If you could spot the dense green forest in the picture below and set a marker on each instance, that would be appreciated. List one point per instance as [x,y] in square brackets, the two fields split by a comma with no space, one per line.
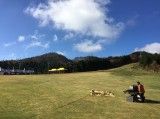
[150,62]
[41,64]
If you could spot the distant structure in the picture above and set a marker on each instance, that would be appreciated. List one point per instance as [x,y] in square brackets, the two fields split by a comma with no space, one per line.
[15,71]
[59,70]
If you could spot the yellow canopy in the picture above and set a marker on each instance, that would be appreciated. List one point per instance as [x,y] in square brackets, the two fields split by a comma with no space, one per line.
[53,70]
[61,69]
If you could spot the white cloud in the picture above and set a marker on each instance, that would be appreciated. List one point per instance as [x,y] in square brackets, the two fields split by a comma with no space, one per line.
[62,53]
[103,2]
[38,44]
[36,35]
[87,17]
[88,46]
[55,38]
[70,35]
[151,48]
[21,38]
[9,44]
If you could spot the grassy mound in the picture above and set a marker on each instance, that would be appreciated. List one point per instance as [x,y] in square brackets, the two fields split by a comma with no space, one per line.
[62,96]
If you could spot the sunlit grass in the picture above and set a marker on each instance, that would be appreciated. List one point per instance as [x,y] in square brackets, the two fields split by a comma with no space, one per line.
[62,96]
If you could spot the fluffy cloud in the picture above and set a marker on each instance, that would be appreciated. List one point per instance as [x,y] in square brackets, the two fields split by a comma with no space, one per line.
[55,38]
[69,36]
[36,35]
[151,48]
[38,44]
[35,40]
[88,46]
[62,53]
[21,38]
[87,17]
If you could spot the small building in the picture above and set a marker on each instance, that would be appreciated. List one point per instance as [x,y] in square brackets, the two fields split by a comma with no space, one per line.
[15,71]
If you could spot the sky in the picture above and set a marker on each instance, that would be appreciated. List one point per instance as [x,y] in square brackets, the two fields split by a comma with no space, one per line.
[76,28]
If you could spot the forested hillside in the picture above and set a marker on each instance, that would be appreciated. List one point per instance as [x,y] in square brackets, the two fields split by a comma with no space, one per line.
[150,62]
[41,64]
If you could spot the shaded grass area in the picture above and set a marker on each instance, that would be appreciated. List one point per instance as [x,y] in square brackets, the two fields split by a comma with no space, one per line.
[67,96]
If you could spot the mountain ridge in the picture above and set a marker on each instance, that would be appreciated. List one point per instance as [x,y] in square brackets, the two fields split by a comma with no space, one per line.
[43,63]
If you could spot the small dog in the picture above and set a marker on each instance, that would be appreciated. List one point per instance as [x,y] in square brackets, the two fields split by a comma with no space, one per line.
[102,93]
[95,93]
[109,94]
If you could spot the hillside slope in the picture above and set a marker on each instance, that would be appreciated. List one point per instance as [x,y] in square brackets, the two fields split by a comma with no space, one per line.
[41,64]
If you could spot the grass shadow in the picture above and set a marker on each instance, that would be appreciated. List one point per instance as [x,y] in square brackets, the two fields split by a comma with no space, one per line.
[152,101]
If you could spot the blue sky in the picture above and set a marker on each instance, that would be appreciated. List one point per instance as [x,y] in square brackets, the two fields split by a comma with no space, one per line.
[76,28]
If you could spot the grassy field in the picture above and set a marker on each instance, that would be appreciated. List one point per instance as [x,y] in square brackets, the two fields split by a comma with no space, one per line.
[67,96]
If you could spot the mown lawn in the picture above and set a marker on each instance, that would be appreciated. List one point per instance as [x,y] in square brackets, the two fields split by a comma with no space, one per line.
[67,96]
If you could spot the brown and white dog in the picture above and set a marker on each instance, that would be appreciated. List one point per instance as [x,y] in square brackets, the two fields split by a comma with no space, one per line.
[102,93]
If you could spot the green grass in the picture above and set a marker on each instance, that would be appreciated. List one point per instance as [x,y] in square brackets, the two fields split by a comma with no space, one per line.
[67,96]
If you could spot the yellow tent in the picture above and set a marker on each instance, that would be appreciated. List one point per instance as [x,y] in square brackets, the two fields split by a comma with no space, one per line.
[58,70]
[53,70]
[61,69]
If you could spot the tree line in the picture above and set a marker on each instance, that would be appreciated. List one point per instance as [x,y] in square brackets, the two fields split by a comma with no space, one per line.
[41,64]
[150,62]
